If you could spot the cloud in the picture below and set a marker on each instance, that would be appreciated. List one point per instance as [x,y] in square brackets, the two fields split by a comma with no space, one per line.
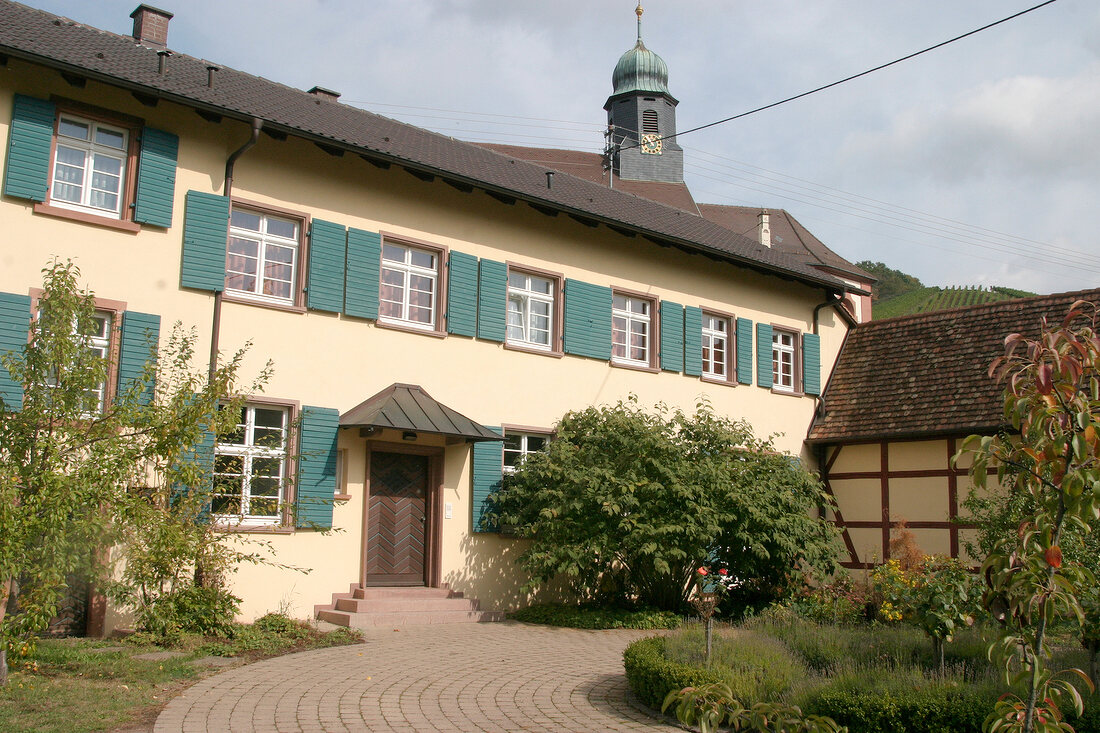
[1029,127]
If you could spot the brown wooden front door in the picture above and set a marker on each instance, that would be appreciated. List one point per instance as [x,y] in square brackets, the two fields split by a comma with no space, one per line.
[397,519]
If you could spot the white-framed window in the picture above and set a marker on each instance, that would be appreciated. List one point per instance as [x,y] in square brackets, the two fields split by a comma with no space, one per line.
[410,284]
[97,338]
[250,467]
[262,259]
[631,330]
[89,166]
[99,343]
[531,310]
[518,445]
[716,352]
[784,365]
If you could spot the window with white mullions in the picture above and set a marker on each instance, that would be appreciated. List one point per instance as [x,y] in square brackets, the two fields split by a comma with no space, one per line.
[89,169]
[408,289]
[715,347]
[530,310]
[96,337]
[250,467]
[99,343]
[263,255]
[631,330]
[517,446]
[783,360]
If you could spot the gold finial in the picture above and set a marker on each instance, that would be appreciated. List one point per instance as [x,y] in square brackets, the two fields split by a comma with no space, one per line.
[638,11]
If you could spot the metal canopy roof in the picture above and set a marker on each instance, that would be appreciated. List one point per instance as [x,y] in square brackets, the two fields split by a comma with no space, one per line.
[409,407]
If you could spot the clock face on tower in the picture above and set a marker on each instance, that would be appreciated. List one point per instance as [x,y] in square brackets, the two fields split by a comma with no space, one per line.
[651,144]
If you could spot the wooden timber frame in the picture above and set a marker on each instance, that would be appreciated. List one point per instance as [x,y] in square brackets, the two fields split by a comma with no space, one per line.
[954,482]
[433,555]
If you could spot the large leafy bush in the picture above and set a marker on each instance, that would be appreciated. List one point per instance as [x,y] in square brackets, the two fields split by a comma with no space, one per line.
[627,502]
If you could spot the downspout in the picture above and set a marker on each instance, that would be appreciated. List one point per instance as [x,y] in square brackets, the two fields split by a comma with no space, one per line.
[215,329]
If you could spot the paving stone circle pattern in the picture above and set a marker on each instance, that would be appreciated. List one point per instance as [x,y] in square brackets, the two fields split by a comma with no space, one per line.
[500,677]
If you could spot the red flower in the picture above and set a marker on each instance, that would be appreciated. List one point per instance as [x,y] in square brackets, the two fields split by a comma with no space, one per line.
[723,571]
[702,571]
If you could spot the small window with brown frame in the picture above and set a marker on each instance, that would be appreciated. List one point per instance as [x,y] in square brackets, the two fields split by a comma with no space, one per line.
[264,254]
[633,330]
[534,310]
[411,289]
[252,470]
[100,334]
[718,357]
[93,165]
[786,376]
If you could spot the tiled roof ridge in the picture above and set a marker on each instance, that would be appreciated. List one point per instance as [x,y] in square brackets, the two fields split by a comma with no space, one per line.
[790,220]
[649,202]
[966,309]
[493,146]
[241,95]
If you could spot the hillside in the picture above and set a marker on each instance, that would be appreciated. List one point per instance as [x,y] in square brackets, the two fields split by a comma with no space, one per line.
[925,299]
[898,294]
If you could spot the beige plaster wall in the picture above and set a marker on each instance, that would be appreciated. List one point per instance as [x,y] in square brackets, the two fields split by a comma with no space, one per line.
[333,361]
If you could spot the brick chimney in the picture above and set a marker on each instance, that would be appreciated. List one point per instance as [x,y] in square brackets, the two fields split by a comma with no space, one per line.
[764,229]
[325,93]
[151,26]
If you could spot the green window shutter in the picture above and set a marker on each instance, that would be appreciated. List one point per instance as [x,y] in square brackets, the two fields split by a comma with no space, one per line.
[317,466]
[328,245]
[587,320]
[200,458]
[140,335]
[15,322]
[488,471]
[492,300]
[764,376]
[672,336]
[462,274]
[364,261]
[205,233]
[31,137]
[693,341]
[156,178]
[811,363]
[744,351]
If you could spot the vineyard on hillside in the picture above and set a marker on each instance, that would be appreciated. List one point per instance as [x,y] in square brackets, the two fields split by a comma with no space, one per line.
[927,299]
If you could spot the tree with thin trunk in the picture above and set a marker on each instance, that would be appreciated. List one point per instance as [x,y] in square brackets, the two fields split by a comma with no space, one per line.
[1051,456]
[75,467]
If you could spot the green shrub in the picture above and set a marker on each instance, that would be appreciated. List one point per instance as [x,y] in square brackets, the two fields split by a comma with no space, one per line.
[282,625]
[902,701]
[191,610]
[593,617]
[652,676]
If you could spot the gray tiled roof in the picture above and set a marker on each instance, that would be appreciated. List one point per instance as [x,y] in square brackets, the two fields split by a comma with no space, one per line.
[63,44]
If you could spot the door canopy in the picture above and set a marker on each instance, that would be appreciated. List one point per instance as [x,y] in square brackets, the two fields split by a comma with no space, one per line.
[409,407]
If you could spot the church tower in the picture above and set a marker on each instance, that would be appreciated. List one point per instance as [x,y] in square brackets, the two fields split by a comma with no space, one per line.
[641,118]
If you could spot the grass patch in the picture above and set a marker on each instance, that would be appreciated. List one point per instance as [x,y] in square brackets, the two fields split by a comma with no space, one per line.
[596,617]
[68,686]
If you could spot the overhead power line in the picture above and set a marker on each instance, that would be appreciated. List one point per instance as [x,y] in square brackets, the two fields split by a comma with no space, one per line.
[853,76]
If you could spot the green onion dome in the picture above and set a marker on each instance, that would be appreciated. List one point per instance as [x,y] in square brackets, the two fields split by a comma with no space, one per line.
[640,70]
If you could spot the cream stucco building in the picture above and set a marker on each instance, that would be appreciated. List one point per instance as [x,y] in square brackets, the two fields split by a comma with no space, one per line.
[417,295]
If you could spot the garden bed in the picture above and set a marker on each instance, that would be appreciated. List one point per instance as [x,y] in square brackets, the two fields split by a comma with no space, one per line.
[873,679]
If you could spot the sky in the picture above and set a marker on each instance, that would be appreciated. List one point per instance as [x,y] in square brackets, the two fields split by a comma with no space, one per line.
[976,164]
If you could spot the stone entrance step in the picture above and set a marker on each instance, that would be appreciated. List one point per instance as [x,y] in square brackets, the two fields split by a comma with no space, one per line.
[362,608]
